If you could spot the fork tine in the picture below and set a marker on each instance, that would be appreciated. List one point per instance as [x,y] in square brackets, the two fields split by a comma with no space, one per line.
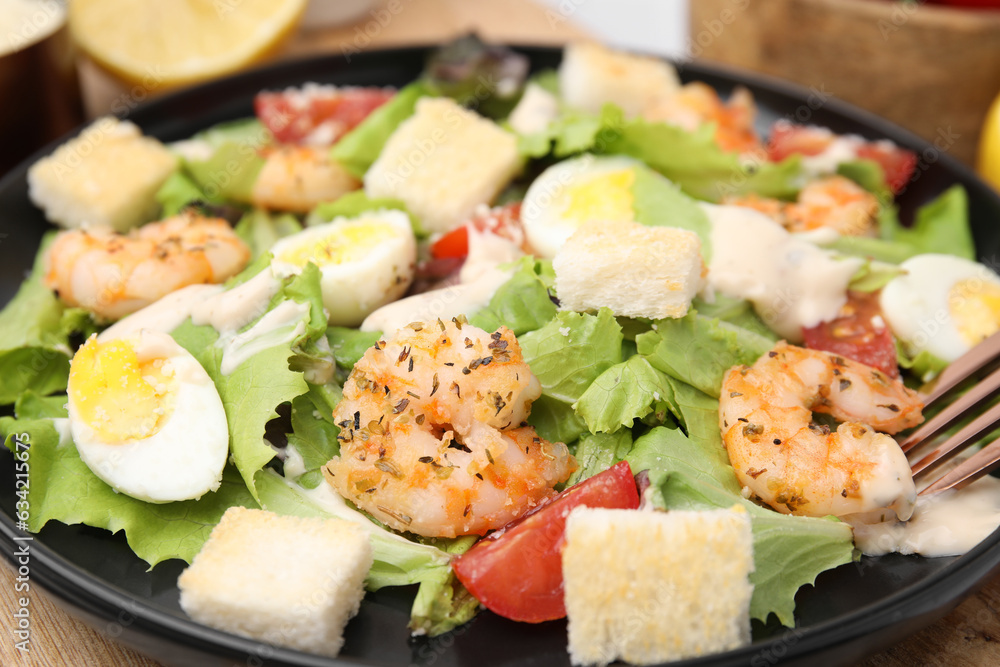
[953,445]
[953,412]
[982,462]
[964,367]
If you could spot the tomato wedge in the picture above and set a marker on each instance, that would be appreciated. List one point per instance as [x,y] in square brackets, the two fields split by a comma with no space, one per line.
[317,115]
[517,571]
[787,139]
[503,221]
[858,333]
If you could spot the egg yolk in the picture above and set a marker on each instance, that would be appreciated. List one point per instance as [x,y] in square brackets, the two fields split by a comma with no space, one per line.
[120,397]
[606,197]
[344,244]
[974,305]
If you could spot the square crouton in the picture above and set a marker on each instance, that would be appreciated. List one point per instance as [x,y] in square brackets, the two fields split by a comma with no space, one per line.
[109,175]
[634,270]
[287,581]
[443,162]
[591,75]
[650,587]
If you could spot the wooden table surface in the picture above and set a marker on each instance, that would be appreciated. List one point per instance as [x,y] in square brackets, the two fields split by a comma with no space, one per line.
[968,636]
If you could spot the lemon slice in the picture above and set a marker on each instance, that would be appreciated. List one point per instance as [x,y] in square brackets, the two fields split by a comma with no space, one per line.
[988,163]
[171,42]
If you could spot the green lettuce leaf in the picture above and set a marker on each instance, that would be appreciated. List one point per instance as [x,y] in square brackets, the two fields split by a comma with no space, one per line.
[522,304]
[62,488]
[231,170]
[924,365]
[314,435]
[354,204]
[869,175]
[880,250]
[349,345]
[694,161]
[359,148]
[941,226]
[34,336]
[252,392]
[621,394]
[443,603]
[261,230]
[573,131]
[178,191]
[789,551]
[658,202]
[568,353]
[30,405]
[697,412]
[555,420]
[597,452]
[738,312]
[699,350]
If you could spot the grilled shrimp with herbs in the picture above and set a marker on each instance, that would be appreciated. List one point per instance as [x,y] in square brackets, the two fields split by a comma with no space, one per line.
[113,274]
[432,433]
[800,467]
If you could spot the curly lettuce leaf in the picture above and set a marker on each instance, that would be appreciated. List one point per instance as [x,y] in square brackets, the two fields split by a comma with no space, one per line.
[349,345]
[568,353]
[314,435]
[260,230]
[941,226]
[30,405]
[252,392]
[621,394]
[34,336]
[357,150]
[738,312]
[658,202]
[555,420]
[178,191]
[880,250]
[597,452]
[522,304]
[789,551]
[699,350]
[62,488]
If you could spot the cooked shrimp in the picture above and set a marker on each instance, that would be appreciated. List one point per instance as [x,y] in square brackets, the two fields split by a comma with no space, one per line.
[297,178]
[697,103]
[834,202]
[433,439]
[113,274]
[799,467]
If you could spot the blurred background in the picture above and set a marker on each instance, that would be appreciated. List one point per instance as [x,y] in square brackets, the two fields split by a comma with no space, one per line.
[932,66]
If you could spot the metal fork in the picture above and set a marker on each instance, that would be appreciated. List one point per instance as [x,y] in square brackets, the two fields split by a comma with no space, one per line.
[971,364]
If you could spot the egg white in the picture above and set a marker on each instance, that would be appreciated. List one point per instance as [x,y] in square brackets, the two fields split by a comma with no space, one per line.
[184,459]
[545,213]
[915,305]
[354,288]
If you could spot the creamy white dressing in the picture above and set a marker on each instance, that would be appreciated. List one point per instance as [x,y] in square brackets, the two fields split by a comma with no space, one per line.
[945,524]
[791,283]
[163,315]
[479,279]
[292,462]
[537,108]
[234,309]
[283,324]
[842,149]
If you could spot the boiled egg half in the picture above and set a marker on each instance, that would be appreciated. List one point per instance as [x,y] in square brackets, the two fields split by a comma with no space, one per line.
[943,304]
[146,418]
[366,261]
[574,192]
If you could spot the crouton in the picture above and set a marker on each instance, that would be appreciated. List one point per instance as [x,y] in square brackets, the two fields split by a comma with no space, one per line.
[443,162]
[634,270]
[591,75]
[287,581]
[649,587]
[107,176]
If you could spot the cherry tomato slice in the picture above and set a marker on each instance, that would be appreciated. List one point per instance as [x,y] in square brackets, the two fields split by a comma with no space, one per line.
[503,221]
[788,139]
[858,333]
[319,116]
[517,571]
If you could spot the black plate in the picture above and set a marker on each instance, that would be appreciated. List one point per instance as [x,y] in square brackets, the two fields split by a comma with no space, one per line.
[852,611]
